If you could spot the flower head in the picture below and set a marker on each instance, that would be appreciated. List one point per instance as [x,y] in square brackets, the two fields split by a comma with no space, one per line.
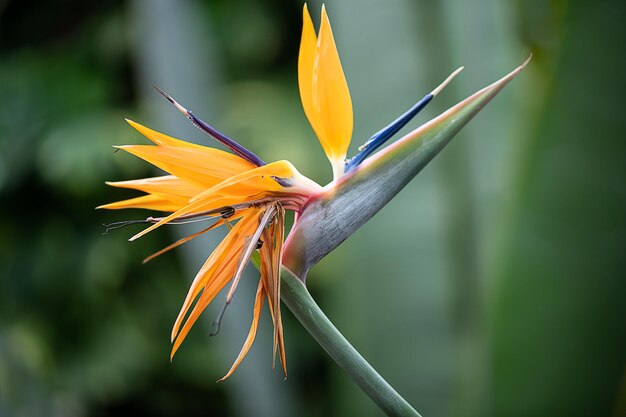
[207,184]
[240,191]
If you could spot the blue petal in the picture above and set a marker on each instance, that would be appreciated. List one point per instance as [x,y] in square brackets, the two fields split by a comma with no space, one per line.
[378,139]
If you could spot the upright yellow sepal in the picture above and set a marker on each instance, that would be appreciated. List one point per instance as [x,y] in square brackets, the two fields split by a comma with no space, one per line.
[324,90]
[306,60]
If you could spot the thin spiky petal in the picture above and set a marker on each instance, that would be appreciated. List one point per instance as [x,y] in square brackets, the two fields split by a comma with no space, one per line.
[270,276]
[164,185]
[148,202]
[227,247]
[276,240]
[216,272]
[161,139]
[258,307]
[248,249]
[205,166]
[181,241]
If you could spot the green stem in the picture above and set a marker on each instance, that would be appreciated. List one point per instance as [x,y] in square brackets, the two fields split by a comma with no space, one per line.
[295,295]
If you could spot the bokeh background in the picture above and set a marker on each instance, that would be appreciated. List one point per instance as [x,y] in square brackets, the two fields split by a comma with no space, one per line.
[493,285]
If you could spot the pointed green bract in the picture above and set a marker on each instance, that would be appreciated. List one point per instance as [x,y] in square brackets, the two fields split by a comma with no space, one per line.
[345,205]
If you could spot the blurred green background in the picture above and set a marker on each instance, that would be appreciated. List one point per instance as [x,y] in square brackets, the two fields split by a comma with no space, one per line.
[493,285]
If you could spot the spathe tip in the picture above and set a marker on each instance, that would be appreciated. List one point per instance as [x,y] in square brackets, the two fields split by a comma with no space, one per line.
[526,62]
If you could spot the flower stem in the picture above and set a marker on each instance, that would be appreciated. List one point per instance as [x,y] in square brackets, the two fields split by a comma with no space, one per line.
[295,295]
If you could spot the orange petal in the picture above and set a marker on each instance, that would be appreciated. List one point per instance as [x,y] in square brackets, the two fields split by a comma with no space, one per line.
[205,299]
[181,241]
[270,276]
[166,184]
[196,207]
[306,71]
[205,166]
[214,275]
[267,277]
[250,243]
[324,90]
[219,280]
[258,307]
[225,255]
[161,139]
[262,174]
[150,202]
[331,95]
[276,264]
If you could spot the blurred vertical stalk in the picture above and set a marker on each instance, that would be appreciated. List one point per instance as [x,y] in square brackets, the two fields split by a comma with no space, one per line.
[469,337]
[476,35]
[470,375]
[175,50]
[468,368]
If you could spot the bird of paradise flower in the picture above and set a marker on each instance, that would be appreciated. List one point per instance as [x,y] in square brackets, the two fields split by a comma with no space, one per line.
[250,197]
